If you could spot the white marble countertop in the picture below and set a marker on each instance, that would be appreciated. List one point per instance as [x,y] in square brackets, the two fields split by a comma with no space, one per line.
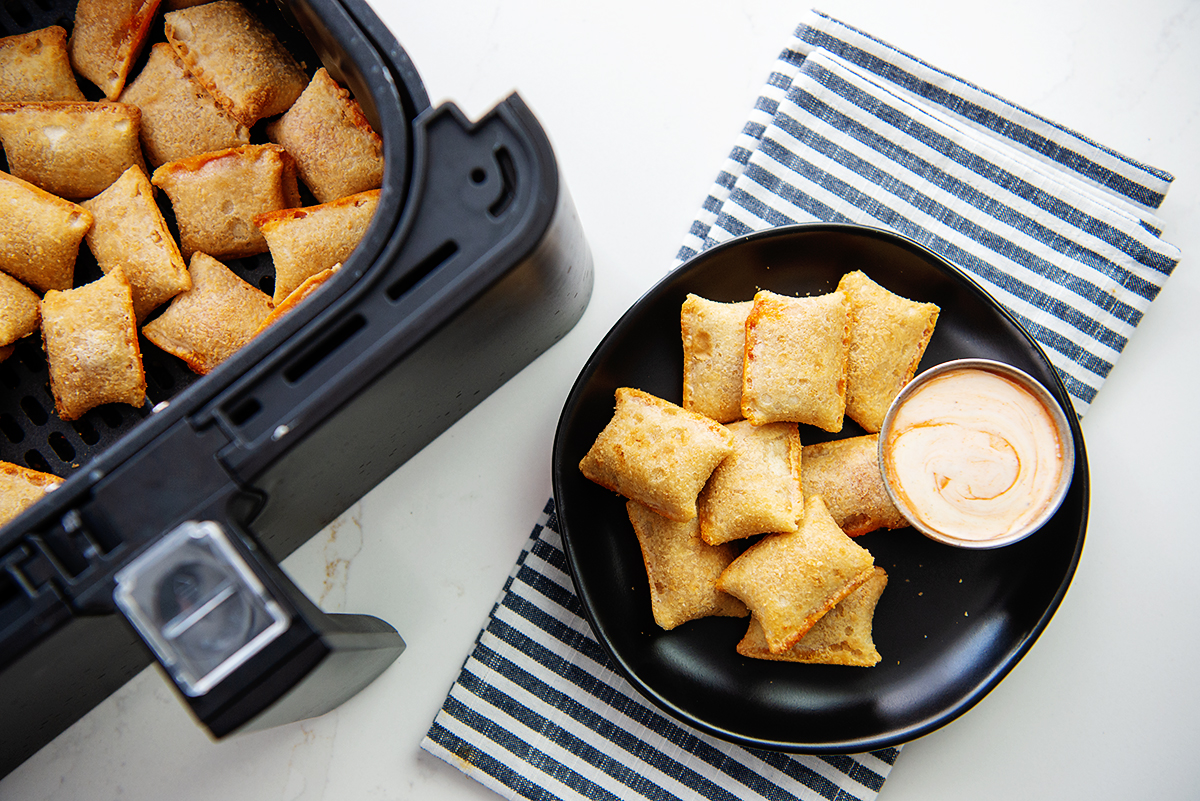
[1104,706]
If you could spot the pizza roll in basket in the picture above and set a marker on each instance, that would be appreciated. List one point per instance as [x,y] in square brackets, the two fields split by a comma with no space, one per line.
[129,231]
[236,58]
[92,351]
[215,197]
[298,295]
[846,474]
[337,152]
[789,581]
[73,150]
[757,489]
[19,310]
[307,240]
[207,324]
[795,360]
[888,336]
[656,452]
[714,344]
[179,116]
[21,487]
[843,636]
[682,569]
[107,38]
[39,235]
[35,66]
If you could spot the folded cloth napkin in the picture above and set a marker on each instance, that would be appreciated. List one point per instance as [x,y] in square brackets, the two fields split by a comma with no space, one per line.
[1060,230]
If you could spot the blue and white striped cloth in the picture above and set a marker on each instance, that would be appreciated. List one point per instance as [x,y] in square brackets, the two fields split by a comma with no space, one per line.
[1061,231]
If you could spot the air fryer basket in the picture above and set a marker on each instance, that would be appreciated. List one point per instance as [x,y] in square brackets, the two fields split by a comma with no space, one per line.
[474,263]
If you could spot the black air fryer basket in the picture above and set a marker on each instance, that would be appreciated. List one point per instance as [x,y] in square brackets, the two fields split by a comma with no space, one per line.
[473,265]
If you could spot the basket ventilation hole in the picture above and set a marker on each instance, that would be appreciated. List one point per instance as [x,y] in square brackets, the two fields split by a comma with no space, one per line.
[12,431]
[19,13]
[34,411]
[86,432]
[62,446]
[35,461]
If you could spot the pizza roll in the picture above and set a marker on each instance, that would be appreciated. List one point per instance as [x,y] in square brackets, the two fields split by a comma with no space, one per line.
[129,231]
[19,312]
[107,39]
[757,489]
[179,116]
[888,336]
[207,324]
[790,580]
[236,58]
[306,241]
[714,343]
[842,637]
[35,66]
[216,196]
[299,294]
[846,474]
[6,351]
[337,152]
[795,361]
[91,342]
[21,487]
[656,452]
[682,569]
[39,235]
[73,150]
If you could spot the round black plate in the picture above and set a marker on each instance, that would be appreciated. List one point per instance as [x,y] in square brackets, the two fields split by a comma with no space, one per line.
[951,622]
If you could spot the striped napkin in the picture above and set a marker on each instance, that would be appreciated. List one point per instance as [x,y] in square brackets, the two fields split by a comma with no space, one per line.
[1060,230]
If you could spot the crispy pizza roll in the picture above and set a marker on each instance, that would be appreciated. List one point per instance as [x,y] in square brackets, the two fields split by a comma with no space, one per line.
[299,294]
[19,312]
[129,231]
[179,116]
[789,581]
[794,367]
[39,235]
[306,241]
[73,150]
[236,58]
[682,569]
[842,637]
[714,343]
[337,151]
[757,489]
[215,197]
[35,66]
[108,37]
[205,325]
[656,452]
[21,487]
[91,342]
[888,336]
[846,474]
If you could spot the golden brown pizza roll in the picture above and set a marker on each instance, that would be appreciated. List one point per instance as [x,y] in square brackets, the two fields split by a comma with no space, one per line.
[108,37]
[795,361]
[21,487]
[843,636]
[714,343]
[656,452]
[682,569]
[789,581]
[337,152]
[297,295]
[888,336]
[35,66]
[757,489]
[19,312]
[846,474]
[215,197]
[39,235]
[236,58]
[129,231]
[306,241]
[211,321]
[179,116]
[90,337]
[73,150]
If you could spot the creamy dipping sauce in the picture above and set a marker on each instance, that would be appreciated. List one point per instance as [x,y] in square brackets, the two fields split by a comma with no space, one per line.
[973,455]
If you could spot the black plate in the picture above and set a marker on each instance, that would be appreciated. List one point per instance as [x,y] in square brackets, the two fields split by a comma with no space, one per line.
[951,623]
